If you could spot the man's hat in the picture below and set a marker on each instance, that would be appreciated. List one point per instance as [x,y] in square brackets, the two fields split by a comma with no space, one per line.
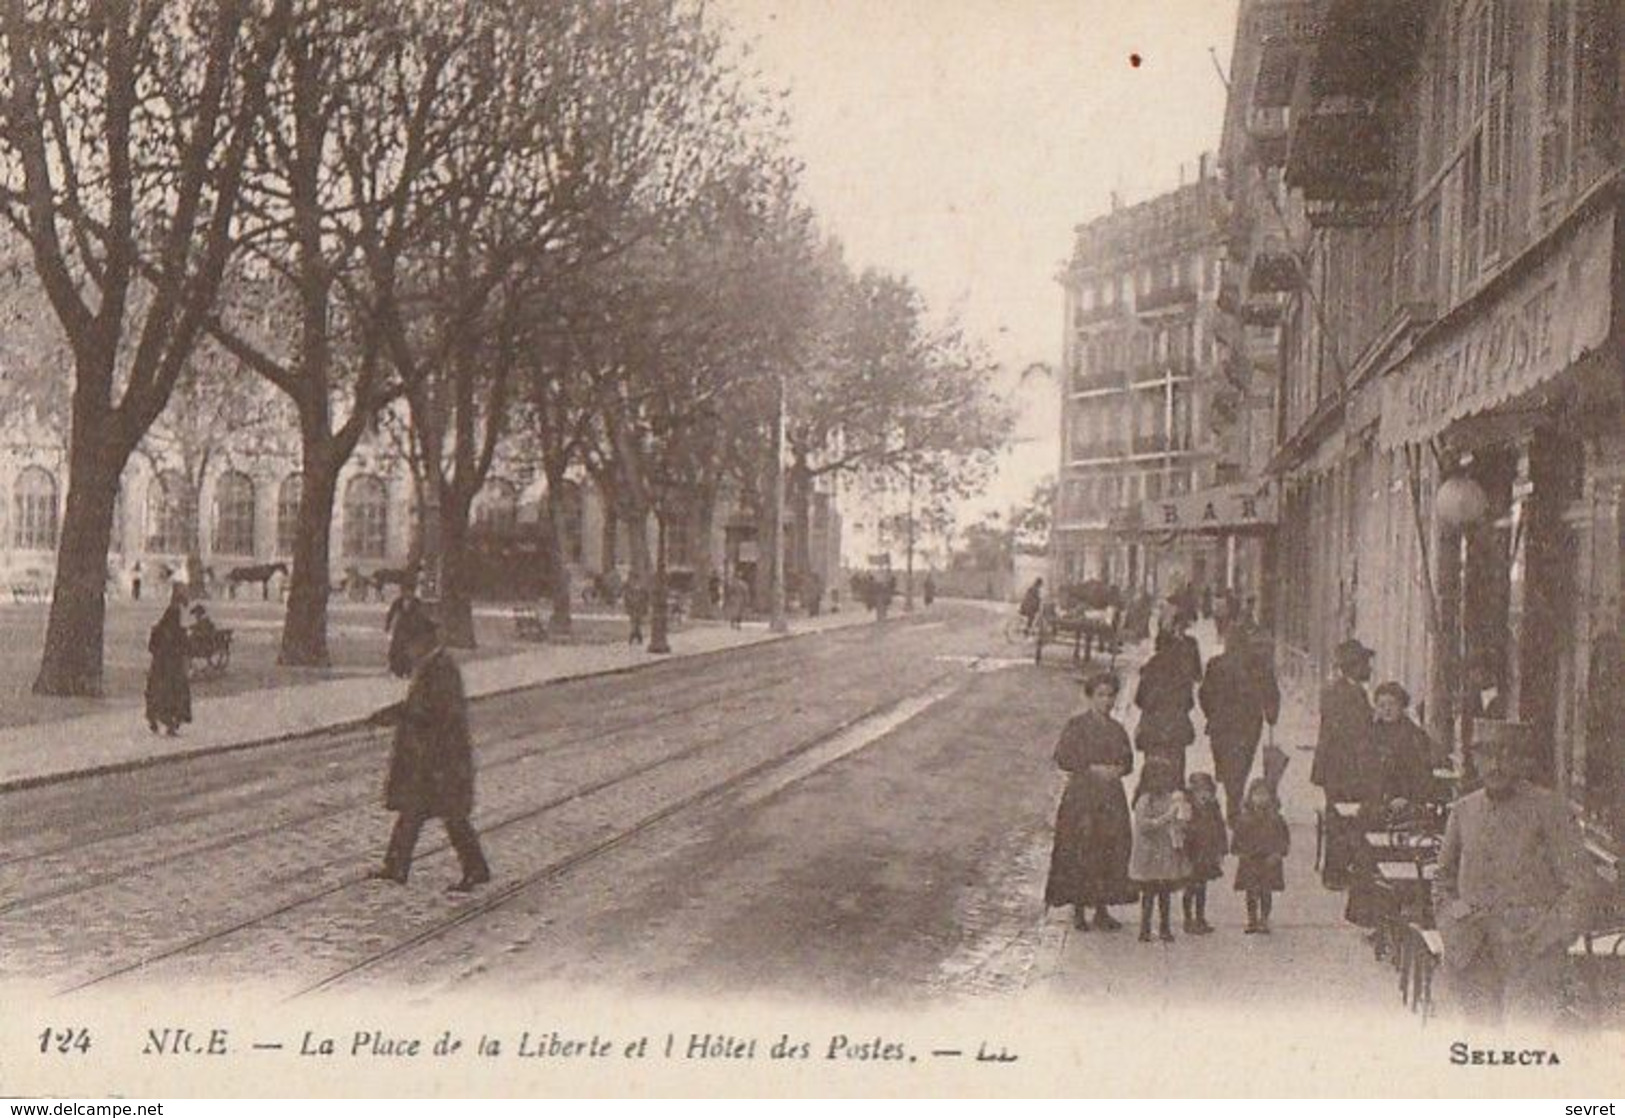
[1352,651]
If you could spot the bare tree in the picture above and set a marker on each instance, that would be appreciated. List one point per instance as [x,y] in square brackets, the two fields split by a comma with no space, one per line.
[127,127]
[574,158]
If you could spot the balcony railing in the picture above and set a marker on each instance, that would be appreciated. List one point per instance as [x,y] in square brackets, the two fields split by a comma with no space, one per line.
[1105,448]
[1154,372]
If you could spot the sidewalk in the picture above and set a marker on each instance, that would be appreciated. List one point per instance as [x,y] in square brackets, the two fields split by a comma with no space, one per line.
[1313,957]
[119,739]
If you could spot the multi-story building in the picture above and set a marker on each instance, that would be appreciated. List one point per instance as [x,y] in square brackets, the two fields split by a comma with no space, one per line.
[245,510]
[1452,451]
[1148,414]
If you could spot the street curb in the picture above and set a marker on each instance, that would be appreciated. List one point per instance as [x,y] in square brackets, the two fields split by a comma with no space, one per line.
[135,764]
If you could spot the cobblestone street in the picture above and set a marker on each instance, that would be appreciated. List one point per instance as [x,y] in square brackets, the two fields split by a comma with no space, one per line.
[863,813]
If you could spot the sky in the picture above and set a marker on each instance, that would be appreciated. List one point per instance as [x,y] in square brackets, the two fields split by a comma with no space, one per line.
[959,142]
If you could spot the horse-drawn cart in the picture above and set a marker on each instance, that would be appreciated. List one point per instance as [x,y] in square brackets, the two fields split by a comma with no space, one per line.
[1087,628]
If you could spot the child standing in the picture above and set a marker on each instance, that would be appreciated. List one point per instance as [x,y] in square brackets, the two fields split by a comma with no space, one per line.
[1205,844]
[1261,842]
[1157,863]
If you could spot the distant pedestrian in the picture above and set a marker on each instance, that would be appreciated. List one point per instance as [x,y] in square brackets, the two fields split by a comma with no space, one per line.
[738,601]
[1093,835]
[713,590]
[1158,864]
[431,768]
[1206,842]
[1165,698]
[1239,694]
[1261,844]
[812,593]
[405,613]
[203,632]
[637,608]
[135,582]
[930,591]
[1343,759]
[1031,603]
[1515,887]
[886,593]
[169,693]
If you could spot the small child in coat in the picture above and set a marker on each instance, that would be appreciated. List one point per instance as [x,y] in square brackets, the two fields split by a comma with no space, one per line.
[1157,862]
[1206,841]
[1261,843]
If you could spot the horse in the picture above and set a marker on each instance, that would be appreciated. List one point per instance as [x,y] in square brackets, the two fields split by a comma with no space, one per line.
[392,576]
[261,573]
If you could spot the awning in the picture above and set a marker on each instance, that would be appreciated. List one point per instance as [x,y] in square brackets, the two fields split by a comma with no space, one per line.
[1238,507]
[1521,337]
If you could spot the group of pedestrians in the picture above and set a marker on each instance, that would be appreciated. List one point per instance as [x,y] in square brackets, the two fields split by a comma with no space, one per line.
[1174,837]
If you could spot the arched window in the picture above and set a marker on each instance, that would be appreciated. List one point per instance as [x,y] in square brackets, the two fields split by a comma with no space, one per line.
[287,512]
[234,514]
[35,522]
[366,518]
[170,517]
[496,509]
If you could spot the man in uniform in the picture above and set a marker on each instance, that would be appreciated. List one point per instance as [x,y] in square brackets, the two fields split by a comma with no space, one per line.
[431,769]
[1515,886]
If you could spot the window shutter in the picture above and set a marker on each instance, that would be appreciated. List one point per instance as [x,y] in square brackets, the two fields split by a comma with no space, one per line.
[1597,81]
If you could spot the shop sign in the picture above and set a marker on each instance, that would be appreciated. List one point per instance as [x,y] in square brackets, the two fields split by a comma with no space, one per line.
[1545,322]
[1225,508]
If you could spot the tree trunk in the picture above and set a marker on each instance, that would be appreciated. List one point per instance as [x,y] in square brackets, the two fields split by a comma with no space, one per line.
[560,622]
[72,661]
[701,517]
[197,584]
[637,541]
[659,620]
[304,626]
[456,601]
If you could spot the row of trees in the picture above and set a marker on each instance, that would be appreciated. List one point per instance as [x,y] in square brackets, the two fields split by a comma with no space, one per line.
[562,230]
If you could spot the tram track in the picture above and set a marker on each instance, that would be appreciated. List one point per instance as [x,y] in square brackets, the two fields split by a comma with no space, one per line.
[236,838]
[320,744]
[483,903]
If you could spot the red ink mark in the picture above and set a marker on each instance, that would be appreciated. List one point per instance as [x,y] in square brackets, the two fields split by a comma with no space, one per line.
[1134,61]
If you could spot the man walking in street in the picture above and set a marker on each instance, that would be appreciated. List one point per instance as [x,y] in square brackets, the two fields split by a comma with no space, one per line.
[637,608]
[431,769]
[1515,886]
[1239,694]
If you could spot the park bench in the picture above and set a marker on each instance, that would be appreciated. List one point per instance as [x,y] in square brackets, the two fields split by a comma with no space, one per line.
[529,624]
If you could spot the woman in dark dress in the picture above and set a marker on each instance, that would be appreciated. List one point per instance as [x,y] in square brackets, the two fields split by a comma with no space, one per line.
[1165,696]
[1093,835]
[169,694]
[1403,754]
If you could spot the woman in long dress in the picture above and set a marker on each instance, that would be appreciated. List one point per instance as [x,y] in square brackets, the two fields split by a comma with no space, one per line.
[1093,833]
[169,694]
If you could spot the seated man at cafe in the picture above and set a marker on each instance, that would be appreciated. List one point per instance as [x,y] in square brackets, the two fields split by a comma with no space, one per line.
[1515,886]
[1402,780]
